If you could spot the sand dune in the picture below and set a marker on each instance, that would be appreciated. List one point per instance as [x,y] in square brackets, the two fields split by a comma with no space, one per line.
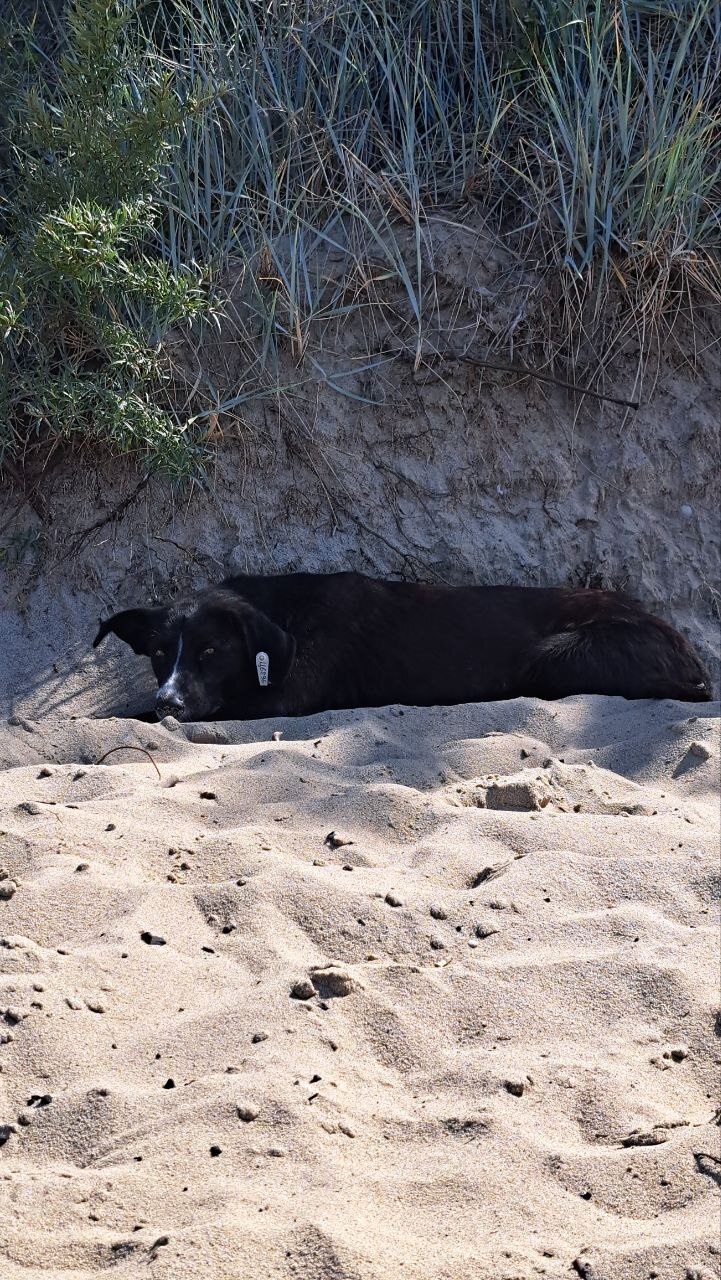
[428,994]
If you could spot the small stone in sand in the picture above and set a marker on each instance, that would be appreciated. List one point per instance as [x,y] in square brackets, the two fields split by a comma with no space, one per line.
[45,772]
[152,939]
[202,734]
[278,1152]
[677,1053]
[516,795]
[586,1268]
[329,980]
[96,1006]
[393,901]
[7,889]
[169,1083]
[485,930]
[701,750]
[215,1151]
[336,841]
[247,1113]
[439,913]
[14,1014]
[515,1087]
[258,1037]
[652,1138]
[487,873]
[302,990]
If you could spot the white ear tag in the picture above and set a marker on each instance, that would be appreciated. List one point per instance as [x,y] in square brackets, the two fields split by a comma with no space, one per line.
[262,666]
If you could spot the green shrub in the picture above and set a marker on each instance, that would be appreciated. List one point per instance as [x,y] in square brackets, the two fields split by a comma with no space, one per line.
[85,300]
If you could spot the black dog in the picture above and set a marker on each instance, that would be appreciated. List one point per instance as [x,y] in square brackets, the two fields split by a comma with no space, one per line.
[299,643]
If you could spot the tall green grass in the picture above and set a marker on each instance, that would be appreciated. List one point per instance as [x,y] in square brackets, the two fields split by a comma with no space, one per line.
[335,130]
[584,134]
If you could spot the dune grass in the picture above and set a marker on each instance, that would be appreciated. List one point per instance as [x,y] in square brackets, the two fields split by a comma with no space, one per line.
[585,135]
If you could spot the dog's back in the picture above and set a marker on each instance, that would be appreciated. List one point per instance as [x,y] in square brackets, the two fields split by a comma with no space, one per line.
[369,642]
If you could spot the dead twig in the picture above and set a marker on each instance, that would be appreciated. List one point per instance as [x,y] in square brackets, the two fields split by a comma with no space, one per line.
[30,493]
[522,372]
[117,511]
[131,747]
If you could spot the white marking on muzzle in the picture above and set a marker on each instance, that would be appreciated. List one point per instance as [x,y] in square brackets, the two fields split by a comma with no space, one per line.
[170,688]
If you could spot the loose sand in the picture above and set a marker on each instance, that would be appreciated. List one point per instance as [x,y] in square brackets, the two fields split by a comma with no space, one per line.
[470,1034]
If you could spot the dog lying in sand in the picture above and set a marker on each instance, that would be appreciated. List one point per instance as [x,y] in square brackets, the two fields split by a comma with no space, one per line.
[298,643]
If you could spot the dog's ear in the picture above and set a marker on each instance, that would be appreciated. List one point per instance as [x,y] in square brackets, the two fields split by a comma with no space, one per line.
[272,650]
[137,627]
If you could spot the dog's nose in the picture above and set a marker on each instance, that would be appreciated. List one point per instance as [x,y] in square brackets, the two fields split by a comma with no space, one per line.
[170,704]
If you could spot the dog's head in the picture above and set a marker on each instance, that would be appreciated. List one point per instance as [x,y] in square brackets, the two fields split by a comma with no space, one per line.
[206,654]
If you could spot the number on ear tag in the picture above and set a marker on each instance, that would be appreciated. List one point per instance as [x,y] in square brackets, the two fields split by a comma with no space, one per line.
[262,666]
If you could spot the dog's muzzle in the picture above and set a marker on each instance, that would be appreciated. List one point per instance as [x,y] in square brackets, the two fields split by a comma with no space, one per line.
[170,705]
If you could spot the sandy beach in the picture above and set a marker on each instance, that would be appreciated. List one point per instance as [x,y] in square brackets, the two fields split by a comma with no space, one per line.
[429,994]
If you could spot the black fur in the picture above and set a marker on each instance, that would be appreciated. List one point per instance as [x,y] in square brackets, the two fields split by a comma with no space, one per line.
[343,640]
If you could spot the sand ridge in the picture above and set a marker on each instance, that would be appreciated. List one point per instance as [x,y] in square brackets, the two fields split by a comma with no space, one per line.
[425,993]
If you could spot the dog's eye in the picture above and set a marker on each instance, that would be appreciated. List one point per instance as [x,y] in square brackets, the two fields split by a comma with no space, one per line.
[207,653]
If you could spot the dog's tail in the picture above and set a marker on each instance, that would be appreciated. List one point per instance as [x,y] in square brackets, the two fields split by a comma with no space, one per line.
[633,656]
